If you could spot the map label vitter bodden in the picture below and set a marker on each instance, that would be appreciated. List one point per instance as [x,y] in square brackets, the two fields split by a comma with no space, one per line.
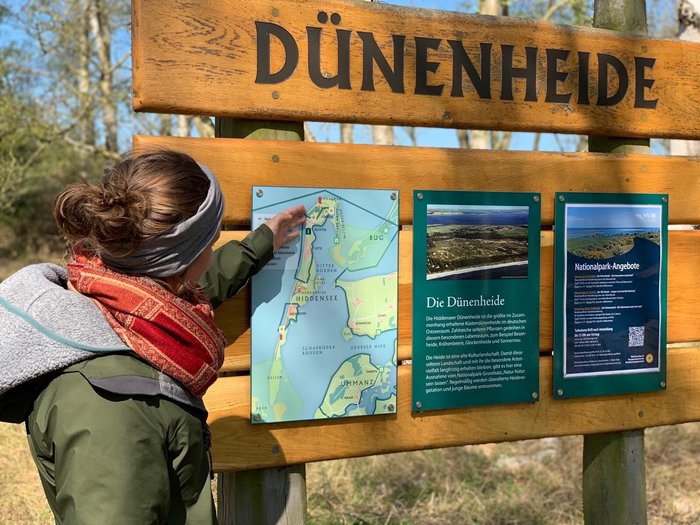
[325,309]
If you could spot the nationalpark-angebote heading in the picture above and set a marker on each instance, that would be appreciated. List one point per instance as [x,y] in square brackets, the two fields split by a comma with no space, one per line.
[599,267]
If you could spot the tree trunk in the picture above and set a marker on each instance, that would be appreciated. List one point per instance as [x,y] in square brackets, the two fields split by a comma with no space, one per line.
[688,29]
[183,126]
[346,133]
[383,135]
[166,126]
[463,138]
[102,33]
[85,113]
[479,138]
[204,126]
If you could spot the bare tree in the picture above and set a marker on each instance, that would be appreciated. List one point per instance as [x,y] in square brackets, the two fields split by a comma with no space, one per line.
[688,29]
[86,113]
[204,126]
[478,138]
[99,24]
[383,135]
[346,131]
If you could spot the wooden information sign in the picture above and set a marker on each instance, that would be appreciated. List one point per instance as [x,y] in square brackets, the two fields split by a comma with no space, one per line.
[339,61]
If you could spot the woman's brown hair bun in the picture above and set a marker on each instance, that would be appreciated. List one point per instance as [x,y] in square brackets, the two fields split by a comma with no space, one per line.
[141,197]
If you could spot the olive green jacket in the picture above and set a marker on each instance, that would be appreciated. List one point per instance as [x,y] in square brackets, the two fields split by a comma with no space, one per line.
[115,443]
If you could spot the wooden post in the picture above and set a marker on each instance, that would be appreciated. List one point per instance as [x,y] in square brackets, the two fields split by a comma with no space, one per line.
[614,483]
[265,496]
[614,486]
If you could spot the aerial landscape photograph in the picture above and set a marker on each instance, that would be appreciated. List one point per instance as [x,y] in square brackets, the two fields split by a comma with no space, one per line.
[477,242]
[605,231]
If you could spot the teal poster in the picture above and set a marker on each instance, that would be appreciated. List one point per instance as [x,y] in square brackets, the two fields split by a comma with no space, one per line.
[476,269]
[611,267]
[325,309]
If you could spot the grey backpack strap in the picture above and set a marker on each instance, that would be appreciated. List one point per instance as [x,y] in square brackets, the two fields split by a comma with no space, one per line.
[163,385]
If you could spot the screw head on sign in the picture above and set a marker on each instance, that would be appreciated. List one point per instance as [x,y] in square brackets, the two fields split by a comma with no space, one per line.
[536,198]
[561,198]
[393,196]
[663,384]
[256,417]
[419,196]
[419,405]
[560,392]
[664,199]
[391,408]
[535,395]
[259,193]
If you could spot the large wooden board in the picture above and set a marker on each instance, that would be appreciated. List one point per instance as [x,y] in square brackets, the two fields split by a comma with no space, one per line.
[239,164]
[683,289]
[227,59]
[238,445]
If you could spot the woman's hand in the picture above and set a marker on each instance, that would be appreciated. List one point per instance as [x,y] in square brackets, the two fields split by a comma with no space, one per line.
[284,225]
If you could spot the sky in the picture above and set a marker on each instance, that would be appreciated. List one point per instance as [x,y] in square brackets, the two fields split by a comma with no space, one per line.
[612,216]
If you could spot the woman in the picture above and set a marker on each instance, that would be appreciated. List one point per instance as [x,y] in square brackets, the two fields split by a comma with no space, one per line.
[107,361]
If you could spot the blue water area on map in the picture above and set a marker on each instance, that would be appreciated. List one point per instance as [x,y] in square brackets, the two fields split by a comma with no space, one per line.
[315,347]
[501,218]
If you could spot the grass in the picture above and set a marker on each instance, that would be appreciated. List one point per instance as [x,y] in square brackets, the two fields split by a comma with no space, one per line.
[525,483]
[21,496]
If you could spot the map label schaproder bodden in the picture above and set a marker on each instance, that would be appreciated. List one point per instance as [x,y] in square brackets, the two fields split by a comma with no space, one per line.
[325,309]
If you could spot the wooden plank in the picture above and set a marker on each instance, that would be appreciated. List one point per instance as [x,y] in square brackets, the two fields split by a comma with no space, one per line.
[239,164]
[683,287]
[206,57]
[238,445]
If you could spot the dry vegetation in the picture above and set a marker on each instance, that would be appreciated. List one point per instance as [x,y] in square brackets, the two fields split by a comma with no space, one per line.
[604,247]
[525,483]
[457,247]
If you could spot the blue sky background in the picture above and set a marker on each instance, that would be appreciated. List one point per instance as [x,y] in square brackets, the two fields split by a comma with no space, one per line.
[612,216]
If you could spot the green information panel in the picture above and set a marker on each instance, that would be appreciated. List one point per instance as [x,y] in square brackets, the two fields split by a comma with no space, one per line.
[610,293]
[476,293]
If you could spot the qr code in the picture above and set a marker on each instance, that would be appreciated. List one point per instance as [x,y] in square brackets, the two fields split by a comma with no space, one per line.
[636,336]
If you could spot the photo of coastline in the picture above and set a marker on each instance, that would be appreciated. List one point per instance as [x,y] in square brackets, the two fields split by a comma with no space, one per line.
[477,242]
[606,231]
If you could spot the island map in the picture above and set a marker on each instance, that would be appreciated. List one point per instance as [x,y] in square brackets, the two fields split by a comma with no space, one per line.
[325,308]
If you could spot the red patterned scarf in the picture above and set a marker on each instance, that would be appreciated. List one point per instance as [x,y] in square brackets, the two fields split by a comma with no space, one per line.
[175,335]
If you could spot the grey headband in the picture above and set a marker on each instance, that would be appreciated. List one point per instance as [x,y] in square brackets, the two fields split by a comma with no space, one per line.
[172,252]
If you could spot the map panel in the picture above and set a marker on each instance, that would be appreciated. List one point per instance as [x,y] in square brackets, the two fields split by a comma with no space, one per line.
[325,308]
